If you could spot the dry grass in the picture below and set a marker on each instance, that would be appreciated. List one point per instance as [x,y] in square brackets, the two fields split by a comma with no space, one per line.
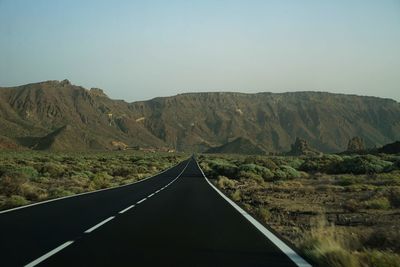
[335,219]
[28,176]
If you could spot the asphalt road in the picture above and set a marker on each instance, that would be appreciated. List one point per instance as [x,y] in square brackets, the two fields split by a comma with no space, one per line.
[173,219]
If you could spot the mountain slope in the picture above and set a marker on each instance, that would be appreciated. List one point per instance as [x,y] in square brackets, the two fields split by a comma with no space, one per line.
[273,121]
[238,146]
[34,111]
[29,114]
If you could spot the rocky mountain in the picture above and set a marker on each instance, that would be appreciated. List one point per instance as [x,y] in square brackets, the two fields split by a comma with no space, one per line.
[238,146]
[301,147]
[59,115]
[356,144]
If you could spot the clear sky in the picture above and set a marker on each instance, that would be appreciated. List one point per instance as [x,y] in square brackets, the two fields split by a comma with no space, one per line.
[137,50]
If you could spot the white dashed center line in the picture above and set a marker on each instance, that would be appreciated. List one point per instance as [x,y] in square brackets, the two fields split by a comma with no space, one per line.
[140,201]
[128,208]
[98,225]
[49,254]
[66,244]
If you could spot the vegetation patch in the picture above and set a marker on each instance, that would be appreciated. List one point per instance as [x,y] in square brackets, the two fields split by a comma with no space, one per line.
[338,210]
[28,176]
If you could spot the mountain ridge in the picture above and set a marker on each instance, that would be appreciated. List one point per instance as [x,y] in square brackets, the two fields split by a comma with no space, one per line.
[197,121]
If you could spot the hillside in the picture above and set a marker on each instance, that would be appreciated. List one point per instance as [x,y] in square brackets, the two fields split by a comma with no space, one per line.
[238,146]
[59,115]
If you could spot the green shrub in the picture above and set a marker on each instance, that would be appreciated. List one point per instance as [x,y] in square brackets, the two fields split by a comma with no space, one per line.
[15,201]
[256,169]
[33,192]
[237,195]
[347,179]
[394,196]
[378,258]
[250,176]
[223,167]
[11,185]
[351,205]
[279,175]
[383,238]
[396,164]
[101,180]
[295,163]
[290,172]
[23,172]
[53,170]
[326,248]
[123,171]
[381,203]
[264,214]
[261,161]
[324,164]
[59,192]
[286,172]
[390,179]
[365,164]
[224,182]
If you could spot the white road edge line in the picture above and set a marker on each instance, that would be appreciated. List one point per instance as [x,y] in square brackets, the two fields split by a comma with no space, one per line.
[98,225]
[128,208]
[49,254]
[85,193]
[298,260]
[149,196]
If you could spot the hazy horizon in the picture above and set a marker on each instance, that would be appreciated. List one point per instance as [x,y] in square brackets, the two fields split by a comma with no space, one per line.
[141,50]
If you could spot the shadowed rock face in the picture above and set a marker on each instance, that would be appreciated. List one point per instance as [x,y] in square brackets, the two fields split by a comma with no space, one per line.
[393,148]
[195,121]
[356,144]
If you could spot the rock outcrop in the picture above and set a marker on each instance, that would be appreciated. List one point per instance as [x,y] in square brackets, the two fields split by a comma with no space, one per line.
[356,144]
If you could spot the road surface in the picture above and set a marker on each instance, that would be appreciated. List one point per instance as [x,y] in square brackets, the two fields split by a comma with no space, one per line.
[175,218]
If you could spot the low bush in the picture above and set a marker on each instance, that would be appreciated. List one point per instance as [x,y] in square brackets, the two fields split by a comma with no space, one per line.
[237,195]
[59,192]
[286,172]
[53,170]
[324,164]
[384,238]
[365,164]
[101,180]
[11,185]
[15,201]
[265,173]
[261,161]
[394,196]
[381,203]
[224,182]
[347,180]
[377,258]
[223,167]
[351,205]
[326,248]
[263,213]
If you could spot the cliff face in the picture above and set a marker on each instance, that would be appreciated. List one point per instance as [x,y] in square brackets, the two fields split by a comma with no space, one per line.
[272,121]
[194,122]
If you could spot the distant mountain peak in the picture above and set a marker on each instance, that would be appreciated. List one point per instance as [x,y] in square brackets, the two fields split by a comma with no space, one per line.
[97,92]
